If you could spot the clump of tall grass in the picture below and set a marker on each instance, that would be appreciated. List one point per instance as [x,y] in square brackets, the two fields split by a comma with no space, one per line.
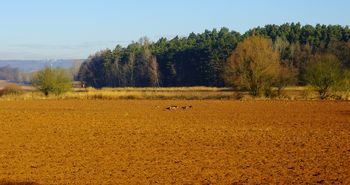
[165,89]
[128,94]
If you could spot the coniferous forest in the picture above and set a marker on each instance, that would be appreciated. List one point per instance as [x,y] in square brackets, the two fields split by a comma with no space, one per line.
[200,59]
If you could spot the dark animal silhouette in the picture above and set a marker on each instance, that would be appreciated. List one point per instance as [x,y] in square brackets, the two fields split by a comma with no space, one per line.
[174,107]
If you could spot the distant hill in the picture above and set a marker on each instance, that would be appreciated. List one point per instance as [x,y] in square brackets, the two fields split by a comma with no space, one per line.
[35,65]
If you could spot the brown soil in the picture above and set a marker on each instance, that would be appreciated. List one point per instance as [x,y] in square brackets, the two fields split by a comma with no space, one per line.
[139,142]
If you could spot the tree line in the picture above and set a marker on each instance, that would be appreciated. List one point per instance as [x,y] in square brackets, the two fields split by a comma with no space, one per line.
[202,59]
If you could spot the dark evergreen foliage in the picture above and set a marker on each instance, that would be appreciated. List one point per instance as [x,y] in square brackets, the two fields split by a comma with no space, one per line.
[199,59]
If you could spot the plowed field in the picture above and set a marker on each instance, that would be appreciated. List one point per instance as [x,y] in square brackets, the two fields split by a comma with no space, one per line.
[139,142]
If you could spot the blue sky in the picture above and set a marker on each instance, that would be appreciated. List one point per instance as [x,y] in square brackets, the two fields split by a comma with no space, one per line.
[49,29]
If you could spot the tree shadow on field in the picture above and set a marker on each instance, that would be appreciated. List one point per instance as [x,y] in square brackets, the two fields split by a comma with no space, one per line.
[5,182]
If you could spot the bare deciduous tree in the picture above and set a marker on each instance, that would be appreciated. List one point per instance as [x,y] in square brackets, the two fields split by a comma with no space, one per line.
[254,65]
[153,71]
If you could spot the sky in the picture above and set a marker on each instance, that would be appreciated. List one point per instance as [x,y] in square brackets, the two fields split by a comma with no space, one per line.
[74,29]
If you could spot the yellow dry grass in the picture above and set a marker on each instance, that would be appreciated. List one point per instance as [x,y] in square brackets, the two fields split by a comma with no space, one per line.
[174,93]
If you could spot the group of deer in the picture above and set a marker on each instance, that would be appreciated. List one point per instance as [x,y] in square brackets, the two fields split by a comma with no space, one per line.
[174,107]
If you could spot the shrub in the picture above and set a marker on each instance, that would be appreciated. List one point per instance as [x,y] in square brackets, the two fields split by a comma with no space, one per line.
[286,76]
[11,89]
[55,81]
[324,73]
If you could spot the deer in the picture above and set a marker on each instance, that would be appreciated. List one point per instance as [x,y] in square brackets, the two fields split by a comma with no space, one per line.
[173,107]
[186,107]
